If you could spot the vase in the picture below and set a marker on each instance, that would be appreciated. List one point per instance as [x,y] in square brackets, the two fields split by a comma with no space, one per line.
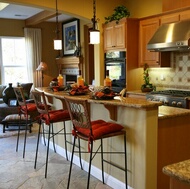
[8,93]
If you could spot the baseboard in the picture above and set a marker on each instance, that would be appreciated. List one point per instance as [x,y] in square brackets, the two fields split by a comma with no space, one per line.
[96,172]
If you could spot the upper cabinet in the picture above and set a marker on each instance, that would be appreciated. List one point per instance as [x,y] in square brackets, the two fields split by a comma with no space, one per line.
[185,15]
[171,18]
[114,35]
[175,17]
[121,35]
[147,28]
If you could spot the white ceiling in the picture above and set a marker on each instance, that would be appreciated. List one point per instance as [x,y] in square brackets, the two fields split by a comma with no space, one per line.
[22,13]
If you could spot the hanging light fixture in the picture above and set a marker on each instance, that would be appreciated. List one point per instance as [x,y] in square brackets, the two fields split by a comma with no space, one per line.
[94,33]
[57,41]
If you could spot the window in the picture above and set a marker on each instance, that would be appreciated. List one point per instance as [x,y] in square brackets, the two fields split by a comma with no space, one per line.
[13,60]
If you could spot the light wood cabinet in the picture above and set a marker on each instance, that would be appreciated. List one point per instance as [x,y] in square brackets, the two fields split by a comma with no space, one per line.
[114,35]
[175,17]
[171,18]
[147,29]
[185,15]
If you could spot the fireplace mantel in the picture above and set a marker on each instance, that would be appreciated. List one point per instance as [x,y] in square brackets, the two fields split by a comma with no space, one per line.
[69,62]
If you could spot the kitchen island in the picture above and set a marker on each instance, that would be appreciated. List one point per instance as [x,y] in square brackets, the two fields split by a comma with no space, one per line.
[140,119]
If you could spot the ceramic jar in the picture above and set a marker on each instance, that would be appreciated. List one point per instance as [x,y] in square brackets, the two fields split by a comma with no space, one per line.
[8,93]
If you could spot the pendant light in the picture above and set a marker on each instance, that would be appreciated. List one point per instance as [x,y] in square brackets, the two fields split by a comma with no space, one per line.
[94,33]
[57,41]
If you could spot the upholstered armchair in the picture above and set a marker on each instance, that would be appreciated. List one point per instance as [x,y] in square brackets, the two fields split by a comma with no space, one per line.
[7,109]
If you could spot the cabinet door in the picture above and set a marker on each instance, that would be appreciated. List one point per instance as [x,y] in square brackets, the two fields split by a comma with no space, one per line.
[114,35]
[108,37]
[119,35]
[146,31]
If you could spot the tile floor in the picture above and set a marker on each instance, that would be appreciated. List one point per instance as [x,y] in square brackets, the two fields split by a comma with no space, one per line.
[19,173]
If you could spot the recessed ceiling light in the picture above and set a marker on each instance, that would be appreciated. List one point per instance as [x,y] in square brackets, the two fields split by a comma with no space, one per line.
[20,15]
[3,5]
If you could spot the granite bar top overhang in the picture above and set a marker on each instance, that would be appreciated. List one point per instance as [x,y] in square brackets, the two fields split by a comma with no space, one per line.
[164,112]
[123,101]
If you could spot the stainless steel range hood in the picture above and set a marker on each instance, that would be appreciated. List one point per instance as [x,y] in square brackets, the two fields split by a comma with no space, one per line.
[171,37]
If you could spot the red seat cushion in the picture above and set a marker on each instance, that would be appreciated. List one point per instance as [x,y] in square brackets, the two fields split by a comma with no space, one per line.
[30,107]
[100,128]
[55,116]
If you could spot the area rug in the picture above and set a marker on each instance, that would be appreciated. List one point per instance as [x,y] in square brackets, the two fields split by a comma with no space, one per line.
[12,131]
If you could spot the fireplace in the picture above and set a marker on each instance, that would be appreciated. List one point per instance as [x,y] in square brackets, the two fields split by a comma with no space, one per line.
[70,75]
[69,67]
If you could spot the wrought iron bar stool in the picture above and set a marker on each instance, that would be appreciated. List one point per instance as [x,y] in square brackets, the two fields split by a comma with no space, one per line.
[91,131]
[49,117]
[27,112]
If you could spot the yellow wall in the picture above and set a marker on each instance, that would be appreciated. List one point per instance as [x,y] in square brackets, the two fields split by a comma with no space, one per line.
[11,28]
[139,8]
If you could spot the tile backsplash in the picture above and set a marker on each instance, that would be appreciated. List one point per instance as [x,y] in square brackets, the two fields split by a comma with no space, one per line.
[175,77]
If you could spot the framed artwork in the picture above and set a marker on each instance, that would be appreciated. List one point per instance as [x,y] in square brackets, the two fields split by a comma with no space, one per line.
[70,36]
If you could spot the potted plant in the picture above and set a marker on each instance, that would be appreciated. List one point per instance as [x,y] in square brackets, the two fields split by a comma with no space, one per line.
[119,12]
[147,86]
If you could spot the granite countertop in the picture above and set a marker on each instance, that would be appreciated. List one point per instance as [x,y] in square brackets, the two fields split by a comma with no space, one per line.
[167,111]
[120,101]
[179,171]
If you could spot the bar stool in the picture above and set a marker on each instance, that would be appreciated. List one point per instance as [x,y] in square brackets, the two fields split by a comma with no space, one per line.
[91,131]
[49,117]
[27,112]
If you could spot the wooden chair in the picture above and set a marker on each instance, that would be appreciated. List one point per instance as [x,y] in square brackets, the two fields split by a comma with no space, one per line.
[91,131]
[49,117]
[27,112]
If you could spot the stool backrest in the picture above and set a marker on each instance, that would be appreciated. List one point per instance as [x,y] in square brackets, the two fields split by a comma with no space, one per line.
[19,92]
[79,113]
[40,101]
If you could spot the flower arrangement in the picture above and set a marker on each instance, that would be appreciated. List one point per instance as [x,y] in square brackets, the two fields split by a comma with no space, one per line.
[147,86]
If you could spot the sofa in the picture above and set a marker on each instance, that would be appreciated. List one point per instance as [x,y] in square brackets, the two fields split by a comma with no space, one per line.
[6,109]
